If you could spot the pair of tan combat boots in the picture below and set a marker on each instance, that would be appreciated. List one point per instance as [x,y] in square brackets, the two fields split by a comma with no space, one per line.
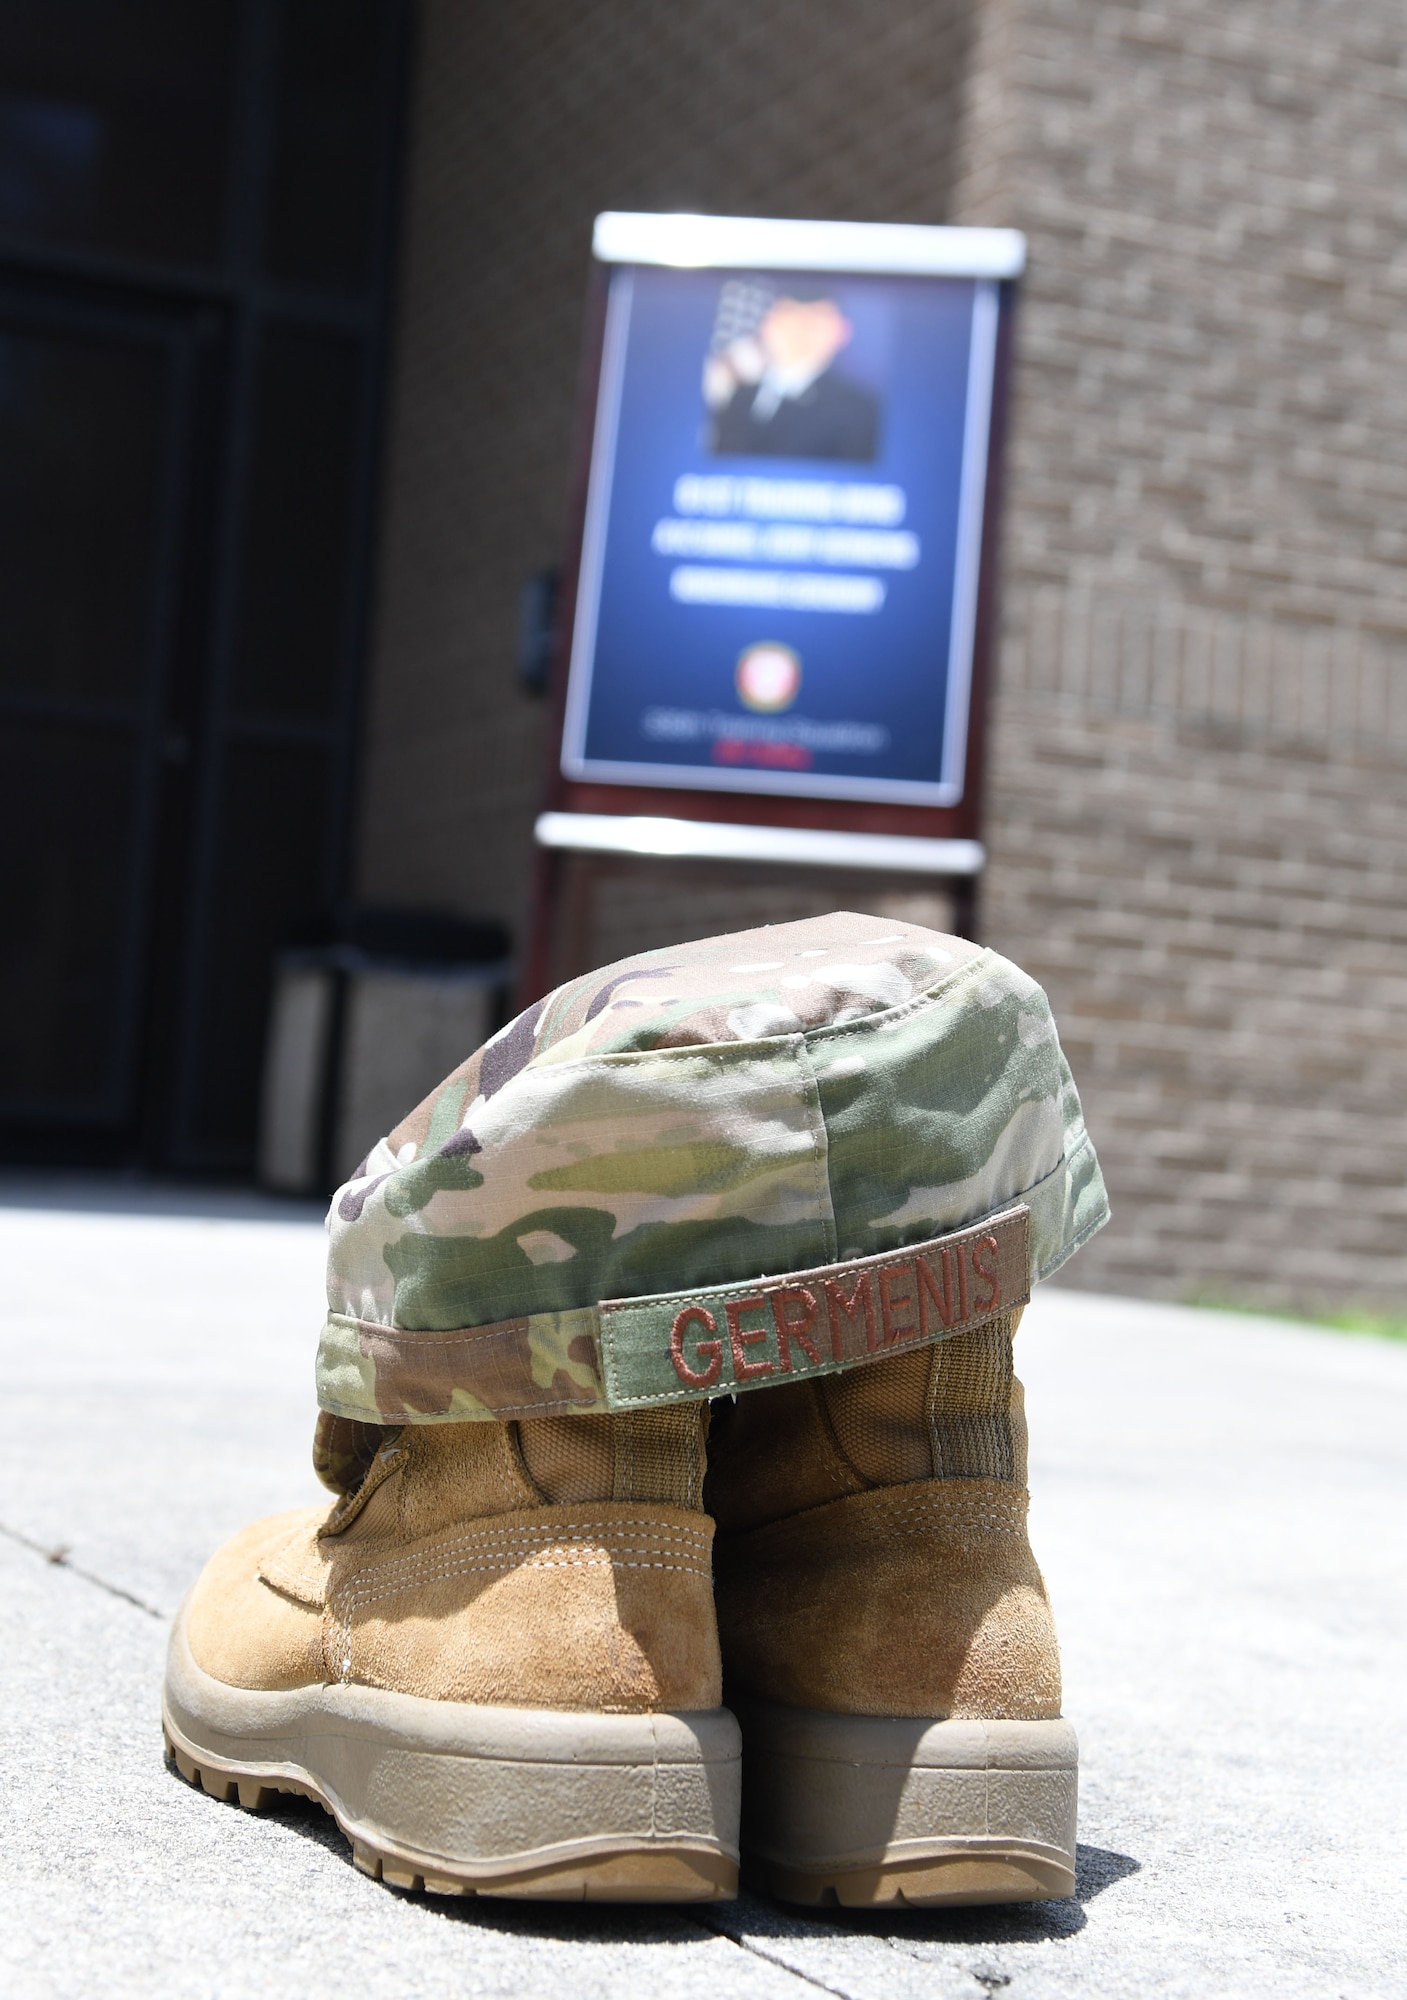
[498,1660]
[668,1362]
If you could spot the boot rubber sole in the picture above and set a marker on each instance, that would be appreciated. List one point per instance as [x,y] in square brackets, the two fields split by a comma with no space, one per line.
[860,1810]
[461,1799]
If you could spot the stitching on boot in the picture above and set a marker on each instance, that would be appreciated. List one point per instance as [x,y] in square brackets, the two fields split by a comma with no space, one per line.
[904,1511]
[939,1510]
[398,1573]
[493,1559]
[522,1538]
[969,1405]
[363,1590]
[698,1465]
[344,1614]
[505,1531]
[623,1485]
[657,1456]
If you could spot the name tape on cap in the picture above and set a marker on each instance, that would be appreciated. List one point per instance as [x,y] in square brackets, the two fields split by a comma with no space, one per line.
[718,1339]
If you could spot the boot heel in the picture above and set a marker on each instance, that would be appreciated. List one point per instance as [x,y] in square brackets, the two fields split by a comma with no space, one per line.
[461,1799]
[869,1809]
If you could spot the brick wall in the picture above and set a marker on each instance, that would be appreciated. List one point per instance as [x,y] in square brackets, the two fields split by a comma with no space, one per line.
[1199,802]
[1221,922]
[1199,810]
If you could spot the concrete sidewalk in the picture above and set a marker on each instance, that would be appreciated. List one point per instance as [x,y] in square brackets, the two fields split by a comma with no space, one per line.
[1220,1509]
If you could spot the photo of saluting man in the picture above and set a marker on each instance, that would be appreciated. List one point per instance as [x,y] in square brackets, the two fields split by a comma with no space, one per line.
[774,390]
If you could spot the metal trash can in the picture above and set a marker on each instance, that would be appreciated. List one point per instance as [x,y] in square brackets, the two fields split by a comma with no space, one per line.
[367,1015]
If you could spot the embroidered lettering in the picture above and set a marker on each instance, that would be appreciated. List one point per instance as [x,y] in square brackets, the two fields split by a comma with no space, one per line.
[843,1312]
[712,1350]
[888,1304]
[722,1336]
[987,1271]
[740,1341]
[798,1327]
[930,1290]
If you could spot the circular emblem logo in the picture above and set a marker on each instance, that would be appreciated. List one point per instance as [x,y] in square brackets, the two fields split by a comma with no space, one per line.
[768,677]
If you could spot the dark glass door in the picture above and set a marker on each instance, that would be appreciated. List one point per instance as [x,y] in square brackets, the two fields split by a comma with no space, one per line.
[100,439]
[195,208]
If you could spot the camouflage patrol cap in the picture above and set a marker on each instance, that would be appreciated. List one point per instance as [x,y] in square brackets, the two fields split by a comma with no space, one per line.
[707,1169]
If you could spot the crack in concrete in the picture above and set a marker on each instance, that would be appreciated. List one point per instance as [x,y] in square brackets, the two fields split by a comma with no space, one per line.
[57,1554]
[769,1957]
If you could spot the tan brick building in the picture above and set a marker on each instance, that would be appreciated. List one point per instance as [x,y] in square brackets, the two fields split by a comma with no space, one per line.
[1198,799]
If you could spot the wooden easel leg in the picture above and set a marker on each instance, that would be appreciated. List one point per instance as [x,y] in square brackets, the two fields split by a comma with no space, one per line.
[967,907]
[576,915]
[538,958]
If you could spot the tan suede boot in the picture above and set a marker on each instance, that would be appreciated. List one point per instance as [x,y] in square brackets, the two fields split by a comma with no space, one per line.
[887,1641]
[495,1662]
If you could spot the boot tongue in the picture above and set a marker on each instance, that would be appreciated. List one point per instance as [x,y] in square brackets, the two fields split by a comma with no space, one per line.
[343,1450]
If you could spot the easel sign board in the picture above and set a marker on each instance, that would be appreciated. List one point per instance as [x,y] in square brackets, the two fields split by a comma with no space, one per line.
[786,505]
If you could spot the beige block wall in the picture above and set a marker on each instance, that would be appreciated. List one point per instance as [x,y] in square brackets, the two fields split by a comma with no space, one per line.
[1199,798]
[1198,814]
[1222,926]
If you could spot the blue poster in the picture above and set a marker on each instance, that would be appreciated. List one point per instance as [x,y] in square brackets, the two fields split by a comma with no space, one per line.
[779,570]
